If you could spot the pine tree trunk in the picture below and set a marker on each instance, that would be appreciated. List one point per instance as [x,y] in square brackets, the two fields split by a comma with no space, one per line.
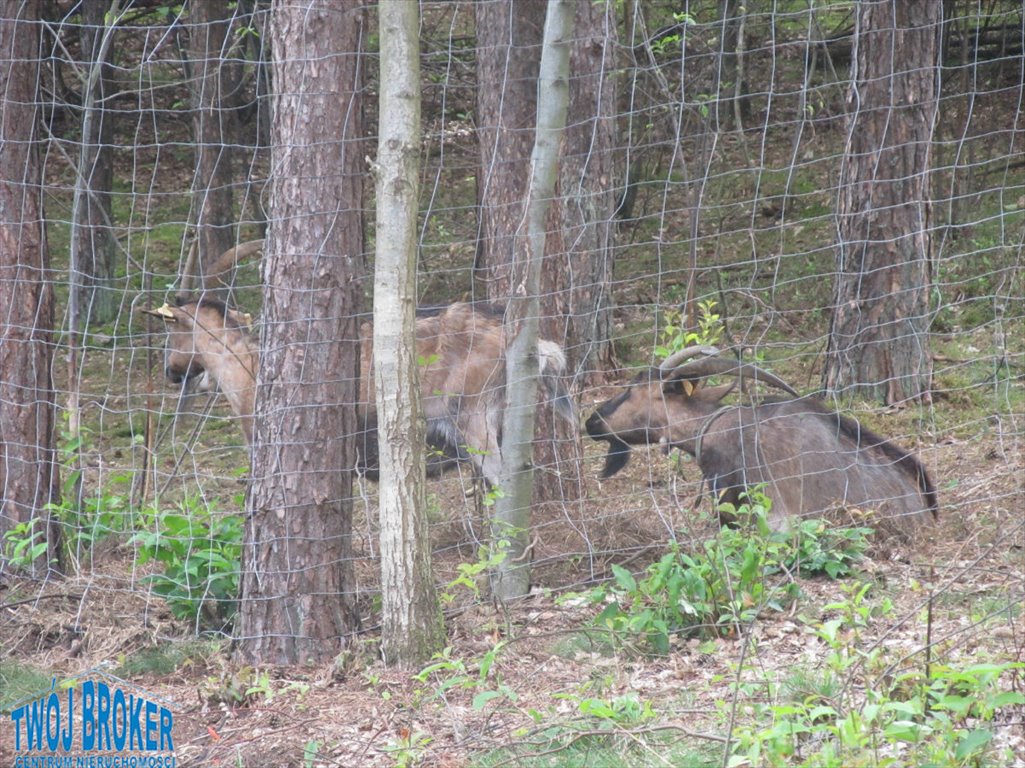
[878,343]
[28,470]
[578,309]
[94,245]
[214,130]
[508,55]
[298,602]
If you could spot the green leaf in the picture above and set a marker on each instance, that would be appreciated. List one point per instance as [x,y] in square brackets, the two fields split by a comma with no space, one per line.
[624,578]
[903,730]
[482,698]
[973,742]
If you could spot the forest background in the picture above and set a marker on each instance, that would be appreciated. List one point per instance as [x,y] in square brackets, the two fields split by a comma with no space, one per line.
[836,189]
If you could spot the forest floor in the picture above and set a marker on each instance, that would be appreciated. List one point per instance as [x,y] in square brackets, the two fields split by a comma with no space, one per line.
[538,702]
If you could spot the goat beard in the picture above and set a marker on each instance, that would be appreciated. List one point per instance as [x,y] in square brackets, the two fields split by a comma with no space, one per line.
[616,458]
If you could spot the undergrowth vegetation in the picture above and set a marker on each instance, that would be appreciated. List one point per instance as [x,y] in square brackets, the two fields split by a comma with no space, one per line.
[724,585]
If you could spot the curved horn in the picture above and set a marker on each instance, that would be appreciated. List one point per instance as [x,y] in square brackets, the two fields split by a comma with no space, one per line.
[727,367]
[686,354]
[220,271]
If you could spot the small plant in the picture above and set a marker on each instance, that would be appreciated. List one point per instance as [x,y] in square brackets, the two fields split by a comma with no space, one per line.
[25,543]
[726,583]
[310,750]
[470,574]
[453,673]
[942,722]
[674,336]
[408,747]
[939,720]
[85,518]
[626,711]
[201,554]
[705,591]
[821,547]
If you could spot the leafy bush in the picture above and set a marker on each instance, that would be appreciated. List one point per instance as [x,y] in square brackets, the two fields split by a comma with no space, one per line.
[84,518]
[940,718]
[201,553]
[25,543]
[821,547]
[726,583]
[674,335]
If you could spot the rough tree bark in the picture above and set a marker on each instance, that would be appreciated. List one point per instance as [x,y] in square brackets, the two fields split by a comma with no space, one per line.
[508,57]
[28,470]
[878,341]
[579,309]
[93,245]
[578,264]
[576,305]
[512,511]
[298,582]
[212,82]
[413,628]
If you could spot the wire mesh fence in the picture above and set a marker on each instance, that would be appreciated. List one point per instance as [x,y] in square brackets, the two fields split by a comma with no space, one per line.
[705,196]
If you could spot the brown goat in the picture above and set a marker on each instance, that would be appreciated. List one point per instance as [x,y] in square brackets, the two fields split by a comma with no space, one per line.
[808,458]
[462,379]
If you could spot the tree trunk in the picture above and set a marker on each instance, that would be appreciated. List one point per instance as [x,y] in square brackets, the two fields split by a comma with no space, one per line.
[413,628]
[578,309]
[576,306]
[508,56]
[93,244]
[512,511]
[878,342]
[509,36]
[735,109]
[214,130]
[28,470]
[298,602]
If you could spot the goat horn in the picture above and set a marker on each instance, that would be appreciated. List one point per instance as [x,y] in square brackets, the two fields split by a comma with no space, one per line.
[220,270]
[163,311]
[725,366]
[687,353]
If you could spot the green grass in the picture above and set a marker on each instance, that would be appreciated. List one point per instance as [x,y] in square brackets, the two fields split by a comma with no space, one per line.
[20,681]
[560,747]
[167,658]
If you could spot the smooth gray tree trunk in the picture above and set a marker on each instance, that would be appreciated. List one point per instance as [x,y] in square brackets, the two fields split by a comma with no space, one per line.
[511,524]
[413,628]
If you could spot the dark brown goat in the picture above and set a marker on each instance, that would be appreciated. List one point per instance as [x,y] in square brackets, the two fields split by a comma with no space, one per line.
[462,382]
[809,459]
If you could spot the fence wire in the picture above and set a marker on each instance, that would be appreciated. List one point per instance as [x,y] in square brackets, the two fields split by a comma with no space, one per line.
[703,192]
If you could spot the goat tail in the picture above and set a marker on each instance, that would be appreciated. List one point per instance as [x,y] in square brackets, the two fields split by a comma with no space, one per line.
[552,369]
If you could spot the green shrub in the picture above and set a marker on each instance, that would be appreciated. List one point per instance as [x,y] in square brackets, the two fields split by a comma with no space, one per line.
[201,553]
[727,582]
[674,336]
[945,721]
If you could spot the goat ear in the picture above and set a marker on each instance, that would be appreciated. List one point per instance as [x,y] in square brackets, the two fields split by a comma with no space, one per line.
[244,319]
[680,387]
[164,312]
